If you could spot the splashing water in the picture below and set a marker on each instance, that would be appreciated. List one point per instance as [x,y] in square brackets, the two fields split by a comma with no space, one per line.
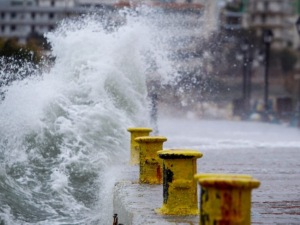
[61,130]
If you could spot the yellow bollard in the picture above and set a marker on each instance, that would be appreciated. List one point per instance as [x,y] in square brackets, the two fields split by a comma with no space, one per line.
[179,185]
[150,163]
[135,152]
[226,198]
[197,177]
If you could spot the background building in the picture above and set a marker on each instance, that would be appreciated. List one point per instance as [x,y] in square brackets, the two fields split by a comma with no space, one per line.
[24,18]
[232,15]
[276,15]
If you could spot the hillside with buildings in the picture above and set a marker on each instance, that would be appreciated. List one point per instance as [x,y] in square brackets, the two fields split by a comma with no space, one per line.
[218,48]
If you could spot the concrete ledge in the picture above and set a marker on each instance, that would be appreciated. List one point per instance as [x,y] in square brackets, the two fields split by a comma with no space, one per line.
[270,153]
[135,204]
[276,201]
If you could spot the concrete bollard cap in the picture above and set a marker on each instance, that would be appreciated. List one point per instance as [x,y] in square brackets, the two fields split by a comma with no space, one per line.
[229,182]
[141,129]
[179,154]
[217,175]
[147,139]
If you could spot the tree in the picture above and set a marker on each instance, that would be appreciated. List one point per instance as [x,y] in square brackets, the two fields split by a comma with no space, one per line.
[17,61]
[288,59]
[12,51]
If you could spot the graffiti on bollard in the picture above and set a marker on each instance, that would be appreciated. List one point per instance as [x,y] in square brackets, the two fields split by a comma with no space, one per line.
[179,186]
[225,198]
[150,163]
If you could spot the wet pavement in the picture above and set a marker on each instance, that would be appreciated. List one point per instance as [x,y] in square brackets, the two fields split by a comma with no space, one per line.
[268,152]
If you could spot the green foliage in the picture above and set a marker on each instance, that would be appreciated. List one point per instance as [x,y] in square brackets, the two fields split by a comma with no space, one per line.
[288,59]
[40,41]
[10,50]
[296,6]
[275,61]
[235,6]
[17,61]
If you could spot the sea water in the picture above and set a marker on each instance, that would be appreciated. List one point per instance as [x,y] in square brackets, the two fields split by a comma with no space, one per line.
[63,130]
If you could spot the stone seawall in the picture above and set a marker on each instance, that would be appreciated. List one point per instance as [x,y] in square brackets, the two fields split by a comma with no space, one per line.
[276,201]
[135,203]
[269,153]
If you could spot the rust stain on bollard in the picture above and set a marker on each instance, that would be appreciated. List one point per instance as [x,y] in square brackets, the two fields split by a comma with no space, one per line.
[179,186]
[150,163]
[134,149]
[225,198]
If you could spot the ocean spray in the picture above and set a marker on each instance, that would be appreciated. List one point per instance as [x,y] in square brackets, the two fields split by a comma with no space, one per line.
[63,131]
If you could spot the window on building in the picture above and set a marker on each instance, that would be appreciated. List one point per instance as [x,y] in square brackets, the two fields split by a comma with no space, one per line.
[13,15]
[51,15]
[52,3]
[263,18]
[167,1]
[33,15]
[189,1]
[32,29]
[13,27]
[2,28]
[86,5]
[259,32]
[51,28]
[2,15]
[266,5]
[16,3]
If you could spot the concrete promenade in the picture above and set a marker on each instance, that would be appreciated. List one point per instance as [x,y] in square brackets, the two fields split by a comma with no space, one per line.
[270,153]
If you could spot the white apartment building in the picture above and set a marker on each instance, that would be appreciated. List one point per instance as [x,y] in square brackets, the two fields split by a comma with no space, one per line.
[21,18]
[276,15]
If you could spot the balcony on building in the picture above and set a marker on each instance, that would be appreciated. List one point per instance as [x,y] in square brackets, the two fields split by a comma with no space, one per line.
[270,7]
[232,20]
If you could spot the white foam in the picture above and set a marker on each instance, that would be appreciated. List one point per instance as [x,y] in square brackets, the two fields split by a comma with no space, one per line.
[60,129]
